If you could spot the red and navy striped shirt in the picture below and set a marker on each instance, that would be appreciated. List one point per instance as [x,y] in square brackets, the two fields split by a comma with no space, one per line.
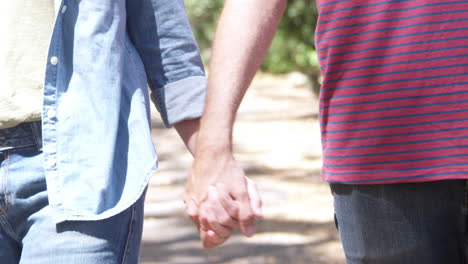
[394,98]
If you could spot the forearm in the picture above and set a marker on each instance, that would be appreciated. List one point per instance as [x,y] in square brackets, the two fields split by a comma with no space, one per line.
[188,131]
[245,31]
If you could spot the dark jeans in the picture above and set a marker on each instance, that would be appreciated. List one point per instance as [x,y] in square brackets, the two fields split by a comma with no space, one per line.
[403,223]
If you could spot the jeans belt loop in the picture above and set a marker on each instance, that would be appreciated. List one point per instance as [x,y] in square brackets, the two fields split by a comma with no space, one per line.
[36,128]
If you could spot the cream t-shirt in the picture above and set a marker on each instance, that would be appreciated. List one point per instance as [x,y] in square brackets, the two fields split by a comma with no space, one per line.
[25,31]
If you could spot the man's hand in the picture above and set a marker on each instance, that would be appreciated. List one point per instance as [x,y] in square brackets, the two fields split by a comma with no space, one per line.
[218,195]
[219,198]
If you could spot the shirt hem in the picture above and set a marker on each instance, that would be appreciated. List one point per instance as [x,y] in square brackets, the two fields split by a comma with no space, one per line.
[427,176]
[64,216]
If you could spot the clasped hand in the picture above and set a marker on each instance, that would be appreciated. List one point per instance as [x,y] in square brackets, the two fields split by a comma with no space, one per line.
[219,198]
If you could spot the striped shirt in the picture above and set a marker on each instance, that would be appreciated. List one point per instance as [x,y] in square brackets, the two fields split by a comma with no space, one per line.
[394,98]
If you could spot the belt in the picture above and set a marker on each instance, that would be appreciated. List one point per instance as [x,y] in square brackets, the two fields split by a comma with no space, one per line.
[21,136]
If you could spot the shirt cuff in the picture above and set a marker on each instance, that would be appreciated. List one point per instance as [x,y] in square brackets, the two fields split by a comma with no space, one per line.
[181,100]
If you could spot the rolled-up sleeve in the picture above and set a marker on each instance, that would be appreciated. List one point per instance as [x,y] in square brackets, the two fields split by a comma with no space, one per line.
[161,33]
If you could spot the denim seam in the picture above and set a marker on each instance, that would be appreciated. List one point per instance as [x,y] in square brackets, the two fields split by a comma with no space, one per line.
[3,188]
[465,202]
[465,215]
[8,229]
[129,236]
[3,221]
[4,178]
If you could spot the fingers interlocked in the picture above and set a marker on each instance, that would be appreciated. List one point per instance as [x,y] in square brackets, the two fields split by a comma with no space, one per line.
[215,223]
[217,216]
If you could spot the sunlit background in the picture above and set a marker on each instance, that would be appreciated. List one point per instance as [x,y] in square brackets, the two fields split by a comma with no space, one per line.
[277,139]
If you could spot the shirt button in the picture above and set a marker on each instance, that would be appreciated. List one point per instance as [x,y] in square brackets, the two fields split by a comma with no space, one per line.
[64,9]
[51,113]
[54,60]
[51,163]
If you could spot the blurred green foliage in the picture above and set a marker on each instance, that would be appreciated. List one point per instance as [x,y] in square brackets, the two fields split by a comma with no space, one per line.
[203,16]
[293,47]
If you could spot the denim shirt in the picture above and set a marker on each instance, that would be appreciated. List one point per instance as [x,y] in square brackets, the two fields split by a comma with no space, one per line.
[103,54]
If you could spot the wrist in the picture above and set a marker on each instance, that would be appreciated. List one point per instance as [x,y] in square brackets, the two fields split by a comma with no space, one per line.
[213,141]
[213,149]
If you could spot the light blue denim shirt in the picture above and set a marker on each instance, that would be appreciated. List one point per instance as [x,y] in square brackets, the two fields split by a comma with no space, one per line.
[96,124]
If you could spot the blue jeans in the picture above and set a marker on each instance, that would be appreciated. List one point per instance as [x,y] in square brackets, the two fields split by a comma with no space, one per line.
[28,233]
[403,223]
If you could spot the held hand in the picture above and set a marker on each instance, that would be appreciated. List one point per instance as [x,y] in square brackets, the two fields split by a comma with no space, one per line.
[220,198]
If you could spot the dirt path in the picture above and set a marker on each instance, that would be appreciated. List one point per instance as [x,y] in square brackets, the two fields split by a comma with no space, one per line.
[277,140]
